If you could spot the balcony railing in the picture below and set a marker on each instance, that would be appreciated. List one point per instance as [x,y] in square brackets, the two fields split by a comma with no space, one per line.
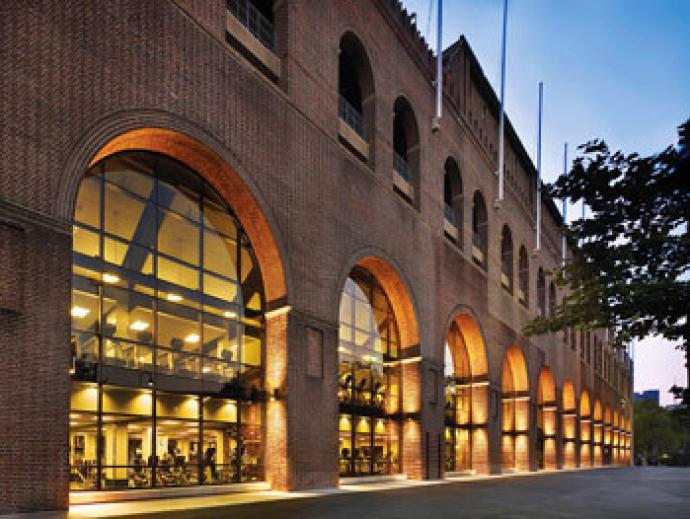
[351,116]
[402,167]
[451,216]
[255,22]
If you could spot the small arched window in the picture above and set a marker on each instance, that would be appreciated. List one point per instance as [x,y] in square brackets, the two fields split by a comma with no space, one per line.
[552,299]
[541,293]
[355,97]
[523,289]
[405,150]
[452,201]
[479,230]
[507,259]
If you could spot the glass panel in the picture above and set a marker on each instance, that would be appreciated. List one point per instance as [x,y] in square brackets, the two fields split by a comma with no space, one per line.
[127,315]
[220,255]
[220,441]
[179,198]
[83,438]
[84,309]
[220,288]
[129,217]
[86,242]
[251,458]
[84,397]
[88,206]
[251,350]
[345,445]
[218,219]
[179,327]
[128,255]
[133,172]
[127,457]
[178,237]
[178,274]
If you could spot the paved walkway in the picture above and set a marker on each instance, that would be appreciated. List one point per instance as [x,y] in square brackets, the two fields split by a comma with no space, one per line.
[631,493]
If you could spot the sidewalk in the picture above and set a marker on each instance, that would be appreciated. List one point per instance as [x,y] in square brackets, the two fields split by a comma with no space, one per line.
[179,504]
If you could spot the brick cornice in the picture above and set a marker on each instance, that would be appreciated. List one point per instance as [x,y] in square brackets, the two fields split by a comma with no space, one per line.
[19,216]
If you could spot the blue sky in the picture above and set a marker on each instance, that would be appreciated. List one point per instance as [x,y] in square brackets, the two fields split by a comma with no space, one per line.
[615,69]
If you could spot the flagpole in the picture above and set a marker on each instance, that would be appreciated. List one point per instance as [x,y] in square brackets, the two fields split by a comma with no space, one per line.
[541,103]
[439,67]
[501,116]
[565,205]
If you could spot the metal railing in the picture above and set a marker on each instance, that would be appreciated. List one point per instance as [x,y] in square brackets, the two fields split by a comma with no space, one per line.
[351,116]
[451,216]
[478,241]
[402,167]
[257,24]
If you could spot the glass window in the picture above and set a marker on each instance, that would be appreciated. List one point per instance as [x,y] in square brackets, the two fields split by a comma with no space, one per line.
[220,255]
[178,237]
[88,206]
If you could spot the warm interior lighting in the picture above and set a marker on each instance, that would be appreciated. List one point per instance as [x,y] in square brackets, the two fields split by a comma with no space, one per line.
[230,315]
[192,338]
[80,312]
[175,298]
[110,278]
[139,326]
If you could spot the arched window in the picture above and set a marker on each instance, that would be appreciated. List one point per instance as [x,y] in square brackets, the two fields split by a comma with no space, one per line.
[452,201]
[356,97]
[541,293]
[507,259]
[250,29]
[552,299]
[370,379]
[405,150]
[167,331]
[523,291]
[479,230]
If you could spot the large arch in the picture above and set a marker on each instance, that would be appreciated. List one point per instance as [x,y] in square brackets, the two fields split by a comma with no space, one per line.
[406,151]
[597,433]
[585,429]
[380,394]
[607,457]
[123,134]
[453,201]
[480,230]
[466,389]
[547,421]
[516,411]
[569,425]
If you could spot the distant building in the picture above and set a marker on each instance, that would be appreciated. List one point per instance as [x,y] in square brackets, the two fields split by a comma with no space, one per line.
[649,394]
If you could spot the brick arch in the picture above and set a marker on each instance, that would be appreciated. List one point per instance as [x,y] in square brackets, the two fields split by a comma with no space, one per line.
[515,375]
[515,447]
[569,424]
[547,420]
[569,398]
[473,341]
[225,180]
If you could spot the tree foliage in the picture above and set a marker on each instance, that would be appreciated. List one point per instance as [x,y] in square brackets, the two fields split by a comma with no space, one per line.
[629,272]
[657,430]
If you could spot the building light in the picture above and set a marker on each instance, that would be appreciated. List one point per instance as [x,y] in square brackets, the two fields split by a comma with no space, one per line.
[230,315]
[175,298]
[192,338]
[110,278]
[139,326]
[79,312]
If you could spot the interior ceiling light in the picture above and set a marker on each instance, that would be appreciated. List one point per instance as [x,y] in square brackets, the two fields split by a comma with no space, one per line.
[80,312]
[139,326]
[192,338]
[110,278]
[175,298]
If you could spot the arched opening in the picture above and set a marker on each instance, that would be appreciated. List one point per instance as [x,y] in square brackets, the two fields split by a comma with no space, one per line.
[507,259]
[169,327]
[516,411]
[523,289]
[552,299]
[466,390]
[379,399]
[356,97]
[597,433]
[617,425]
[569,425]
[541,293]
[406,150]
[452,201]
[480,230]
[585,430]
[628,437]
[608,436]
[547,421]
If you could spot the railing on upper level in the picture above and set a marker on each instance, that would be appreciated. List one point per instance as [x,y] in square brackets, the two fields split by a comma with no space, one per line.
[450,215]
[351,116]
[402,167]
[255,22]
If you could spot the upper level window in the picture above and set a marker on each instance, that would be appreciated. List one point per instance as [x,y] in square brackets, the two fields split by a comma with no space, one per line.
[552,299]
[479,230]
[523,289]
[405,149]
[250,28]
[541,293]
[452,201]
[507,259]
[355,96]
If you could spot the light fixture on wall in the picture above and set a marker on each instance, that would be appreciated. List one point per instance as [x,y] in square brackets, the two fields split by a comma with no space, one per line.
[110,278]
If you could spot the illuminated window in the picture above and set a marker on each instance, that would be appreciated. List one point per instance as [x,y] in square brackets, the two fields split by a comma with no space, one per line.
[167,305]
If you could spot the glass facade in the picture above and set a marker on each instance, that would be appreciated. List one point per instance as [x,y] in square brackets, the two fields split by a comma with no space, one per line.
[167,332]
[458,403]
[369,379]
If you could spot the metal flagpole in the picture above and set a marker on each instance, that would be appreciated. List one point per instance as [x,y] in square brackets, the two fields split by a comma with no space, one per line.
[439,66]
[541,102]
[501,117]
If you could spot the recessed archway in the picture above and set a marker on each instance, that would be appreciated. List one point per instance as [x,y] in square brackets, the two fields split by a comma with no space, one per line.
[617,426]
[585,429]
[597,434]
[547,421]
[466,390]
[379,380]
[608,436]
[569,425]
[516,411]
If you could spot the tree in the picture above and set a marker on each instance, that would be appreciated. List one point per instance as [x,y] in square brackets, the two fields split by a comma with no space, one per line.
[657,431]
[630,272]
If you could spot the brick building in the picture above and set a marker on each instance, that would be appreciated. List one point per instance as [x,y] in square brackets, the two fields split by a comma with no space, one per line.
[235,249]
